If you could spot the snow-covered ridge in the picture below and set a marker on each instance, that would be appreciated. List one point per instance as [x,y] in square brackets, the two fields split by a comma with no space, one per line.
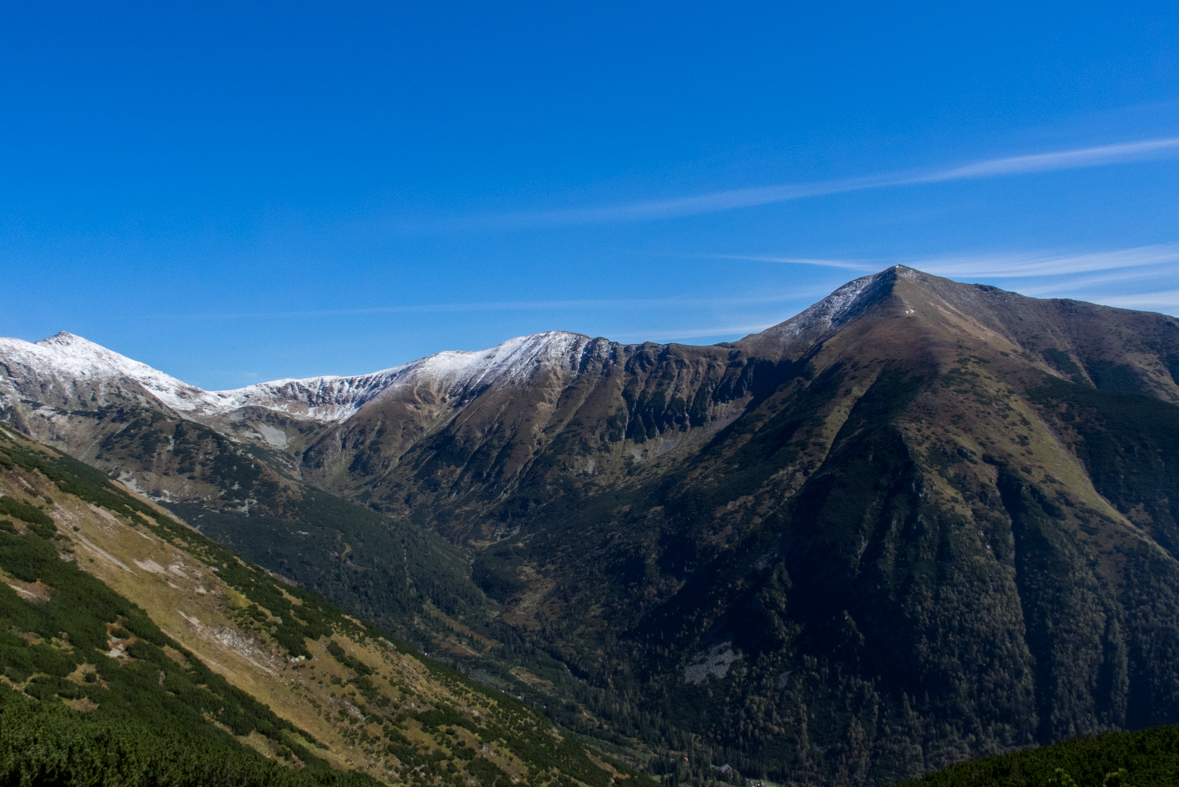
[69,370]
[831,312]
[336,398]
[73,367]
[77,367]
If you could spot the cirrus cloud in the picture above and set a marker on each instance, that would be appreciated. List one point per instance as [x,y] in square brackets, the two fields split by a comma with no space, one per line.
[732,199]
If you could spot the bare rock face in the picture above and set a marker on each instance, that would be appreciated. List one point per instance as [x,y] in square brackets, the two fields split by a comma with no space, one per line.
[920,521]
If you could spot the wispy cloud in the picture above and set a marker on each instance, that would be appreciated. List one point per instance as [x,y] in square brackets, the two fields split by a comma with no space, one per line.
[1032,264]
[714,202]
[1098,156]
[494,306]
[854,265]
[1005,265]
[1088,283]
[709,332]
[731,199]
[1164,300]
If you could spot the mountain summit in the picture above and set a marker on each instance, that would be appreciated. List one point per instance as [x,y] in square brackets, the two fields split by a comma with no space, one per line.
[918,522]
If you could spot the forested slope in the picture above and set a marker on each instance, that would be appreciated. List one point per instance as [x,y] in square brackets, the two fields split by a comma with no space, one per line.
[1145,758]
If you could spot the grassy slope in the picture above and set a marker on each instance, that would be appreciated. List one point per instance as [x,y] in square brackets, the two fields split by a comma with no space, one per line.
[243,497]
[189,615]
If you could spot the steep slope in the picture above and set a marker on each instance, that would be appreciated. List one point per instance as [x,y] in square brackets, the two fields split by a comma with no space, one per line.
[131,620]
[919,522]
[910,525]
[112,412]
[887,543]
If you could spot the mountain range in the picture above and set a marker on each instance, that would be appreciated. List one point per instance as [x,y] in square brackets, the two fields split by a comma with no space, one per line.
[920,522]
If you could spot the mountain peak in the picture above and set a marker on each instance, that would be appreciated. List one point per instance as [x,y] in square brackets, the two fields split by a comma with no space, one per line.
[515,358]
[796,335]
[67,356]
[80,371]
[65,338]
[80,346]
[74,345]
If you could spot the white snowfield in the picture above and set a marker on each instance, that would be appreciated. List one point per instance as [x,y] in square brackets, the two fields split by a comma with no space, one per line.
[68,367]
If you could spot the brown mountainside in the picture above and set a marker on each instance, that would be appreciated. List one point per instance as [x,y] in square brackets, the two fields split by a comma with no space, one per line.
[919,522]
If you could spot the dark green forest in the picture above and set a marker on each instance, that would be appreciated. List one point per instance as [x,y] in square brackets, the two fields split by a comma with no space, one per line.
[1146,758]
[44,743]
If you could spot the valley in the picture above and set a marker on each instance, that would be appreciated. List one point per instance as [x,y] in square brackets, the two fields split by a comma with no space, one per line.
[158,639]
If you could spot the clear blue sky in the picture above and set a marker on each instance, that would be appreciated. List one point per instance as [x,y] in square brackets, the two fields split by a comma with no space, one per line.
[235,192]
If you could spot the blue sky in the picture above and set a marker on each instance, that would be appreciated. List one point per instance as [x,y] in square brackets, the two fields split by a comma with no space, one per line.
[238,194]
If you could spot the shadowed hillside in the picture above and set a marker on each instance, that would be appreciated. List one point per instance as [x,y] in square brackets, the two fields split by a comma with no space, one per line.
[922,521]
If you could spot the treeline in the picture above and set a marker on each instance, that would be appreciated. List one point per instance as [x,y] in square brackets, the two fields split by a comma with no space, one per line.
[92,692]
[63,649]
[380,570]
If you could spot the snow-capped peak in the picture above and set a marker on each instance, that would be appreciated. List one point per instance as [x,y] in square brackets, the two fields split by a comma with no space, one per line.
[67,368]
[513,360]
[70,364]
[71,353]
[334,398]
[831,312]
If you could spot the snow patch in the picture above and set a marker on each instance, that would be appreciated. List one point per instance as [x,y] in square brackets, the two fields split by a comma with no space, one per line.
[715,662]
[276,437]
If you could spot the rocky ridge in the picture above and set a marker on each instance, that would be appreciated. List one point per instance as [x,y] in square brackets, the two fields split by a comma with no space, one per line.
[73,371]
